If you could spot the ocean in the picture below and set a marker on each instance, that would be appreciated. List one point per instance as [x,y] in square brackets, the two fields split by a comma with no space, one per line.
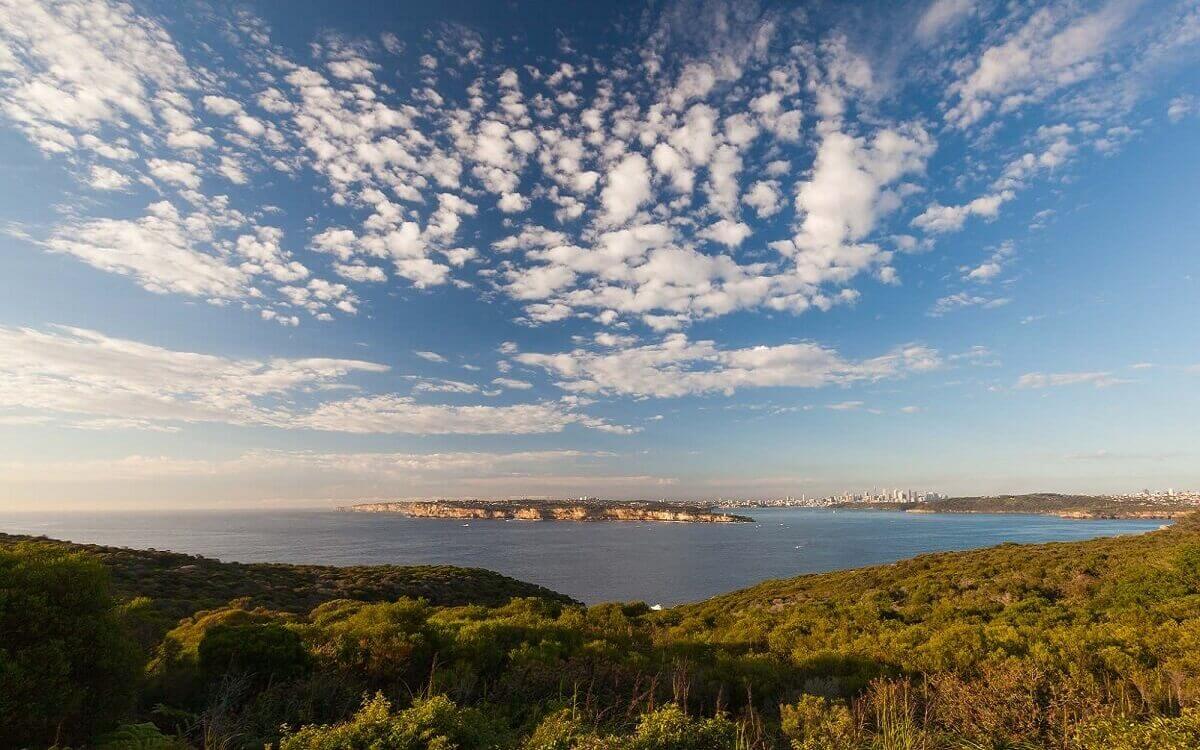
[658,563]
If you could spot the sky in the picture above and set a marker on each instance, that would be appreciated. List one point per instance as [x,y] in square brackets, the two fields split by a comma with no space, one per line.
[274,254]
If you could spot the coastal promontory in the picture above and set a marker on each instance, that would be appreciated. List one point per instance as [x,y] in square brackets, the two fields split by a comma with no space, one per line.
[550,510]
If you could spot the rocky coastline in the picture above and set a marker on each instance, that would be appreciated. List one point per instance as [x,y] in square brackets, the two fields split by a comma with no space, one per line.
[548,511]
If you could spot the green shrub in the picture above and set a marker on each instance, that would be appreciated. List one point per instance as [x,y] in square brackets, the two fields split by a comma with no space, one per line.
[669,728]
[266,652]
[429,724]
[139,737]
[815,723]
[68,669]
[1159,733]
[384,643]
[561,730]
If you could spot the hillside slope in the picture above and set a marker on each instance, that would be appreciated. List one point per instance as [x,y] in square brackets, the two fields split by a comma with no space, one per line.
[1043,503]
[1089,645]
[181,584]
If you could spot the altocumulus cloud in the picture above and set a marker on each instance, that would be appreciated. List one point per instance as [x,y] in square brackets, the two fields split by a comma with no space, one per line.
[642,162]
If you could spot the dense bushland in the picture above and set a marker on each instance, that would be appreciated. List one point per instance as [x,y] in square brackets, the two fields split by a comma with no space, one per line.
[1074,646]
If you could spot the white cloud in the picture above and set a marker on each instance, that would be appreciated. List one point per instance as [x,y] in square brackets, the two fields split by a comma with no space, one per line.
[436,385]
[764,197]
[615,157]
[231,169]
[696,80]
[672,164]
[106,178]
[160,250]
[726,232]
[430,356]
[984,271]
[1038,380]
[1050,51]
[185,140]
[353,69]
[940,219]
[250,126]
[512,203]
[513,383]
[361,273]
[362,467]
[846,406]
[960,300]
[222,105]
[722,185]
[677,366]
[23,420]
[1181,107]
[78,371]
[992,267]
[175,172]
[847,194]
[338,242]
[940,16]
[75,370]
[77,66]
[400,414]
[104,424]
[626,188]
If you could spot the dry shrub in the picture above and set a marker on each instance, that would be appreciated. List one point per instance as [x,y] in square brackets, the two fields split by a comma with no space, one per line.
[1005,702]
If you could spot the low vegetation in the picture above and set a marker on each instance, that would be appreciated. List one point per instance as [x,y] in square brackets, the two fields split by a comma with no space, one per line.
[179,584]
[1045,503]
[1073,646]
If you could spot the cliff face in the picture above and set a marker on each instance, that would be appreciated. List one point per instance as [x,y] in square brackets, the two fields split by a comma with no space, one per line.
[1165,514]
[546,512]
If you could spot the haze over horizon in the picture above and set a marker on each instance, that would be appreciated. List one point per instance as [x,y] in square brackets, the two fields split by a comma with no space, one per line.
[261,254]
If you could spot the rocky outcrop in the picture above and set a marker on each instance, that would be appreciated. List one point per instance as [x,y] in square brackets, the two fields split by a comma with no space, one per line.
[544,511]
[1165,514]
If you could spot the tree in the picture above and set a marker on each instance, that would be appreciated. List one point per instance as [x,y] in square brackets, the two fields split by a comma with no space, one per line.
[68,669]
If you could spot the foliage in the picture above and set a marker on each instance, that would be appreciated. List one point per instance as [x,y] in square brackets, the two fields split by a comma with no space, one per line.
[67,668]
[265,652]
[429,724]
[1070,646]
[139,737]
[1075,506]
[381,642]
[181,584]
[669,728]
[1159,733]
[815,723]
[561,730]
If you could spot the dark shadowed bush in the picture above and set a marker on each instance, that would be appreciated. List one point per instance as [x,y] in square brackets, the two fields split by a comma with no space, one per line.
[67,667]
[265,652]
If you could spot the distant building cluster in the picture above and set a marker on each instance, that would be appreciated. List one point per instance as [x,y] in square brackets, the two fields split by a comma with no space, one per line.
[875,496]
[1169,496]
[880,496]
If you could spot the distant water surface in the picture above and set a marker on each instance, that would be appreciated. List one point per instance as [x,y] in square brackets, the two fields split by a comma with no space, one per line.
[665,563]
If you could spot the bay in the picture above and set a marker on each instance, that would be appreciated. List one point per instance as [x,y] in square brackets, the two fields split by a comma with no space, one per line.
[659,563]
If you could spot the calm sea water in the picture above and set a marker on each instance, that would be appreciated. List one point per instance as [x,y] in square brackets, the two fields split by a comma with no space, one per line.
[665,563]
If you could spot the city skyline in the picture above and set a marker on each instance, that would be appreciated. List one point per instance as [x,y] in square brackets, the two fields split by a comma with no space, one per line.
[251,256]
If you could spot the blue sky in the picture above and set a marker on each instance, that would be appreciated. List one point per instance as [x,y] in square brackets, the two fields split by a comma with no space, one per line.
[300,253]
